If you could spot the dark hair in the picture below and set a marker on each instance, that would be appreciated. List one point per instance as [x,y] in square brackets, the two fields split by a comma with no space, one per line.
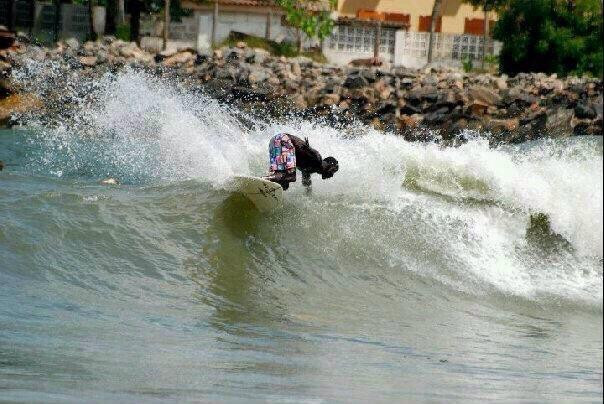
[329,167]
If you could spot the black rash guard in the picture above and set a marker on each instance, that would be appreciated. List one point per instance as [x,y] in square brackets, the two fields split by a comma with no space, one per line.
[308,160]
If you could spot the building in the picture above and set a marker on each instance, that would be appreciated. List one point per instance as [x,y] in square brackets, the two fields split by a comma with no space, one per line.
[395,30]
[211,22]
[404,35]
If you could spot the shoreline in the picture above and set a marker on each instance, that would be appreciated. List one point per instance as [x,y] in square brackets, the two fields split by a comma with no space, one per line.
[415,104]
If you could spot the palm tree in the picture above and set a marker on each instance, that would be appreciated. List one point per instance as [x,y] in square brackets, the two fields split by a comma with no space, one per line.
[433,21]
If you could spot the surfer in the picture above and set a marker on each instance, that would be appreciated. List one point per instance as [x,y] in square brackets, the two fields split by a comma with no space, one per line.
[288,153]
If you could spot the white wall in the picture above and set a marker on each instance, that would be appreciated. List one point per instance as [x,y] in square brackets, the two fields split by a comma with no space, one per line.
[404,48]
[355,42]
[247,23]
[251,24]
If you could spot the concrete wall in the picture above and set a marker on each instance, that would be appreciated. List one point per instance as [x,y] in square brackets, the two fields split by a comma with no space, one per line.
[357,42]
[405,48]
[454,12]
[184,30]
[245,22]
[248,23]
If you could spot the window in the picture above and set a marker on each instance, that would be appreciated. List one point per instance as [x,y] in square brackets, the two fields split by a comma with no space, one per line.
[426,20]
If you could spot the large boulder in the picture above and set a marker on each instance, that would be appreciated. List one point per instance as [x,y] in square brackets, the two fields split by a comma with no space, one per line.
[501,83]
[16,104]
[484,95]
[258,75]
[355,81]
[585,111]
[179,58]
[88,61]
[303,61]
[72,43]
[502,125]
[296,69]
[559,123]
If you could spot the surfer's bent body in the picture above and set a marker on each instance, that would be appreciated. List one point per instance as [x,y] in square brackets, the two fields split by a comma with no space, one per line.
[288,152]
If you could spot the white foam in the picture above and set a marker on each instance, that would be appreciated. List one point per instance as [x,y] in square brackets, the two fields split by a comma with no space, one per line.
[172,135]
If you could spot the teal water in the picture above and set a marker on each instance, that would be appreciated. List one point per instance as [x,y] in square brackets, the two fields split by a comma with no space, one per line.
[415,274]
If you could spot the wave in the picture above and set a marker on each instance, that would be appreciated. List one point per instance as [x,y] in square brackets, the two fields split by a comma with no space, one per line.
[458,216]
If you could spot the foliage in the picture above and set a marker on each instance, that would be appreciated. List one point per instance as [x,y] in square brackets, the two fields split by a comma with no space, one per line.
[284,48]
[123,32]
[491,60]
[467,64]
[313,24]
[551,36]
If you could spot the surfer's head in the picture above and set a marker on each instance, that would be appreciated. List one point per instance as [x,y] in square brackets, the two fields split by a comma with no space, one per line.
[329,166]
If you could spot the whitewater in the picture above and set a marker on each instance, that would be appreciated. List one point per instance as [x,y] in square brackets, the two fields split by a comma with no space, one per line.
[418,273]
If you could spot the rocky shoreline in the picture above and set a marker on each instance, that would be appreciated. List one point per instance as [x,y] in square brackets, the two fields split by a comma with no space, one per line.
[399,100]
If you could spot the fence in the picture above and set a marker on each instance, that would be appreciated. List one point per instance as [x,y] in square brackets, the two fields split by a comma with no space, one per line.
[448,49]
[23,16]
[41,19]
[352,42]
[405,48]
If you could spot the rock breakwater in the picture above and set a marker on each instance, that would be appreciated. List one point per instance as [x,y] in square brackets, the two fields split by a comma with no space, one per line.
[413,103]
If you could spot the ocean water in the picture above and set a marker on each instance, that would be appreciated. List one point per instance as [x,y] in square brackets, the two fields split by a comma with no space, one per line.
[418,273]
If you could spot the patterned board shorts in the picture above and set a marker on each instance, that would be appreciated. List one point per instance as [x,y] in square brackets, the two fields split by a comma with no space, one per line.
[282,154]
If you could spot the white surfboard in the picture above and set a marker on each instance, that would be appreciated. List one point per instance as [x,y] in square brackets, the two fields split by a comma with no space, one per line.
[264,194]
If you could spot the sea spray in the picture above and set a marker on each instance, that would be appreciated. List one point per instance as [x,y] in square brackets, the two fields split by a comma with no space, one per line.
[456,215]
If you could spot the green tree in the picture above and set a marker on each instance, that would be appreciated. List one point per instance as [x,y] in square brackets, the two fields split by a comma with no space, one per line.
[300,15]
[551,36]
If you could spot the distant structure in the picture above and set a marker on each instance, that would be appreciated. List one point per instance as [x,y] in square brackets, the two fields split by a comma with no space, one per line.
[403,29]
[395,31]
[212,21]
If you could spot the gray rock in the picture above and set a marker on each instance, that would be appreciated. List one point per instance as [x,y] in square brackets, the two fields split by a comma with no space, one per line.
[430,80]
[369,75]
[355,81]
[484,95]
[226,73]
[88,61]
[559,122]
[261,56]
[258,75]
[446,99]
[234,54]
[296,69]
[585,111]
[430,94]
[437,117]
[303,61]
[598,106]
[101,56]
[407,82]
[72,43]
[501,83]
[403,72]
[249,55]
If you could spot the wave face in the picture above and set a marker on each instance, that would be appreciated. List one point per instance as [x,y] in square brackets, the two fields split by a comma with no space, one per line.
[408,240]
